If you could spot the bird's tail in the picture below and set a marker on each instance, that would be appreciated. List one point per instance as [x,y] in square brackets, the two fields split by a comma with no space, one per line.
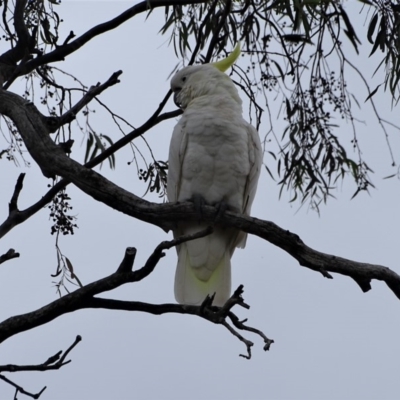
[190,288]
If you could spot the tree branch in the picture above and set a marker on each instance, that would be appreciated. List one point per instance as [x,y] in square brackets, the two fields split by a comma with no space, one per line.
[82,297]
[206,311]
[19,217]
[69,47]
[220,317]
[53,123]
[9,256]
[52,159]
[20,389]
[13,206]
[21,50]
[54,362]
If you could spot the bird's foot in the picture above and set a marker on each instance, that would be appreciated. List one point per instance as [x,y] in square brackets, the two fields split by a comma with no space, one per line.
[199,202]
[221,207]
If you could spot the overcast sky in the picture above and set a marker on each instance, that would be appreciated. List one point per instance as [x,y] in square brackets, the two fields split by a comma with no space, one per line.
[331,340]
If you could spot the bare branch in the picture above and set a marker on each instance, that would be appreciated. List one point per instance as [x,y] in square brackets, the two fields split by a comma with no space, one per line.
[158,252]
[83,297]
[13,206]
[52,363]
[20,389]
[68,47]
[307,257]
[9,256]
[240,325]
[219,316]
[16,53]
[21,216]
[248,343]
[206,310]
[128,260]
[53,123]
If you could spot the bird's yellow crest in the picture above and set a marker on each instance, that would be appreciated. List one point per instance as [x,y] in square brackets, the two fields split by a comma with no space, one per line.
[227,62]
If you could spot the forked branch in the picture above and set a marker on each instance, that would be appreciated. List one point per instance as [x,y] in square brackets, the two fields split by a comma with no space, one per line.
[220,315]
[54,362]
[83,297]
[53,123]
[20,389]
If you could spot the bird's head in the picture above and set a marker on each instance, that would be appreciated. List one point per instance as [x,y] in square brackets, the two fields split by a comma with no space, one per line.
[207,79]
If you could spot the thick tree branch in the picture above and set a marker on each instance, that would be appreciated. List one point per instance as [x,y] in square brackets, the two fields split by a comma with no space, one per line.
[51,159]
[83,296]
[19,217]
[24,44]
[69,47]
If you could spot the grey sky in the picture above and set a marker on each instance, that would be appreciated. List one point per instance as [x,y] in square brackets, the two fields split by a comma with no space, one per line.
[331,340]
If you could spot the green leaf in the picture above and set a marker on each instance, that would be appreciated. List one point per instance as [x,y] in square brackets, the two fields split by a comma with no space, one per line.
[367,2]
[390,176]
[111,158]
[306,24]
[372,93]
[371,28]
[377,42]
[349,31]
[288,109]
[169,22]
[269,172]
[351,38]
[279,69]
[89,144]
[70,267]
[289,9]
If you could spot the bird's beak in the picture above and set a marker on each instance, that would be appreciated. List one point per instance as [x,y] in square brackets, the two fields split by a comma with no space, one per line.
[176,97]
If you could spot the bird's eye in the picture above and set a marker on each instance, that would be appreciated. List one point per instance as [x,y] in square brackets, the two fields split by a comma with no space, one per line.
[184,79]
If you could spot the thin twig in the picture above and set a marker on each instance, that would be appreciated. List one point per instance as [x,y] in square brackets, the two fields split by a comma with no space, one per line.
[54,123]
[52,363]
[20,389]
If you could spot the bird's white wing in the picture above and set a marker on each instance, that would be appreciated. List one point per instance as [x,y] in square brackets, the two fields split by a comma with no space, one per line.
[255,159]
[176,155]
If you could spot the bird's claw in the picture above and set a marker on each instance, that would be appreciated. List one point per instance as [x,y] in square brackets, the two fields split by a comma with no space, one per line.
[199,202]
[221,207]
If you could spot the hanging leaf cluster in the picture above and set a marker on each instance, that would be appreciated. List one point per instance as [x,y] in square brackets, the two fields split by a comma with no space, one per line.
[296,56]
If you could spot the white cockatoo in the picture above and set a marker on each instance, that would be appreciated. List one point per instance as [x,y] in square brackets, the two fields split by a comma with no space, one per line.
[215,156]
